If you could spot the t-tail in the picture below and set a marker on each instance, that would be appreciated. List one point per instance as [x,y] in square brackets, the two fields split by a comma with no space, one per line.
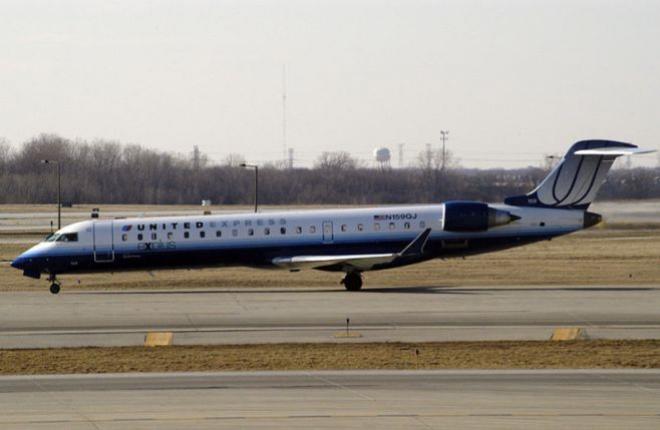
[575,181]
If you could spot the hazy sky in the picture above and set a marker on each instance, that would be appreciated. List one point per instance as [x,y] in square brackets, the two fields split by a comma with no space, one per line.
[511,80]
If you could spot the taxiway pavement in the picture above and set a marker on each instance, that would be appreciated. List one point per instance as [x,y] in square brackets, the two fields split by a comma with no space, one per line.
[600,399]
[242,315]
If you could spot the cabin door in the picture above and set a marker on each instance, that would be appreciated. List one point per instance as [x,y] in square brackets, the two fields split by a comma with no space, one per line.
[328,234]
[104,250]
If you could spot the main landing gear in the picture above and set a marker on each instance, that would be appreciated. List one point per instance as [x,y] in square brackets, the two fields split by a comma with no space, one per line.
[54,284]
[352,281]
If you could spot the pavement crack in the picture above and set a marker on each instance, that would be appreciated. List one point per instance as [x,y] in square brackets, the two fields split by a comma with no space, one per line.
[340,386]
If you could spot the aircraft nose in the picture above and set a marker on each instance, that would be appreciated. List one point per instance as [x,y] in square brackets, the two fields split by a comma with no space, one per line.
[18,263]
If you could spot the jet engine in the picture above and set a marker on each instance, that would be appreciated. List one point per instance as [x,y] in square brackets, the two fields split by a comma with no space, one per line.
[464,216]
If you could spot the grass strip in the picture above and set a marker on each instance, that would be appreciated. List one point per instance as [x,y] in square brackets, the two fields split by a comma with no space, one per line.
[434,355]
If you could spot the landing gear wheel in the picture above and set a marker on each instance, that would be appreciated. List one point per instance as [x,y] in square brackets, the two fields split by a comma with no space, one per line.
[352,281]
[54,288]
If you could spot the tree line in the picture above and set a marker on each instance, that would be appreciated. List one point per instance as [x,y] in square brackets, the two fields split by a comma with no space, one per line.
[109,172]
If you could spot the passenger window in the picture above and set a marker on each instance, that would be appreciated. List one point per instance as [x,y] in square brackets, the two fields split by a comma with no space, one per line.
[312,229]
[124,237]
[170,235]
[360,227]
[154,236]
[392,226]
[218,233]
[344,227]
[376,226]
[140,237]
[250,232]
[186,234]
[202,234]
[298,230]
[406,226]
[282,230]
[234,232]
[267,231]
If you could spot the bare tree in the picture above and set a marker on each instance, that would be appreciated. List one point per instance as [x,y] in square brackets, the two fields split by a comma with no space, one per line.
[108,172]
[433,160]
[233,160]
[339,160]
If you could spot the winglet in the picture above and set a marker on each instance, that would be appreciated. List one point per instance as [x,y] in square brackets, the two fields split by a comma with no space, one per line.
[416,247]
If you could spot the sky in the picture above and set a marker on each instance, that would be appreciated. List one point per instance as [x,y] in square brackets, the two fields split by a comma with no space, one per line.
[511,81]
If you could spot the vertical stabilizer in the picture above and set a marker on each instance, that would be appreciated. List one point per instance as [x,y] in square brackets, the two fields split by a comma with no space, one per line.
[575,181]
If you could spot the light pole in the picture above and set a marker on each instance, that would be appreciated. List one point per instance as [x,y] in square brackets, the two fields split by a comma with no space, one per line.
[256,183]
[445,134]
[59,190]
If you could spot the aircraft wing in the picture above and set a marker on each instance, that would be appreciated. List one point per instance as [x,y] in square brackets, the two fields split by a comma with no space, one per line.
[357,262]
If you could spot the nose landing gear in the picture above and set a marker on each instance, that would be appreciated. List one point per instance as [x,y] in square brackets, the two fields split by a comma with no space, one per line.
[54,284]
[352,281]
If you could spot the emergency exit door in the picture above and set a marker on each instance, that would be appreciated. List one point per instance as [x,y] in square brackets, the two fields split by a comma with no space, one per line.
[328,234]
[104,250]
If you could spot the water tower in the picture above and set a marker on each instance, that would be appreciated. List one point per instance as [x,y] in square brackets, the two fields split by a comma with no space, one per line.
[383,157]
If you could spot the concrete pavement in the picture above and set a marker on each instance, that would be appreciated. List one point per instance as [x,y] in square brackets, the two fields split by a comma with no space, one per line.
[230,316]
[600,399]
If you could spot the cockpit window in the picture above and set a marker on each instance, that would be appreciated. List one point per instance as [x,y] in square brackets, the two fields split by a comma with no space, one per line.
[68,237]
[62,237]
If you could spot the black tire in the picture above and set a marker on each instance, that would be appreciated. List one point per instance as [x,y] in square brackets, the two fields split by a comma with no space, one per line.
[353,282]
[54,288]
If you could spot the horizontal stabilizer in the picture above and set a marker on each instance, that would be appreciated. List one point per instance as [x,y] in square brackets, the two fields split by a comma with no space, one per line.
[614,151]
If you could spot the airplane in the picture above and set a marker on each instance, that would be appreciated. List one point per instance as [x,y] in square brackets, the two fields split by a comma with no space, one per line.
[351,241]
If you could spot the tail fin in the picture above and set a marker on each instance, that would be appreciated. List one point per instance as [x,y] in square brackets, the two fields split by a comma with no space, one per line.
[574,182]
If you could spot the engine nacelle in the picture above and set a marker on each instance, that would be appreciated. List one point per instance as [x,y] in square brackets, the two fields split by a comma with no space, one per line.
[474,216]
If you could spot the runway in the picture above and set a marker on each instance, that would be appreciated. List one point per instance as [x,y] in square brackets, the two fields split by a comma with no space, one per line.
[362,399]
[415,314]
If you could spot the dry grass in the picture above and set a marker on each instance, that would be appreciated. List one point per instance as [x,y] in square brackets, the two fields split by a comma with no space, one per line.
[445,355]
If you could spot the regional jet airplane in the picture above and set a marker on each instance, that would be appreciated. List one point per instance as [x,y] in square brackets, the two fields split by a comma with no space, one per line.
[351,241]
